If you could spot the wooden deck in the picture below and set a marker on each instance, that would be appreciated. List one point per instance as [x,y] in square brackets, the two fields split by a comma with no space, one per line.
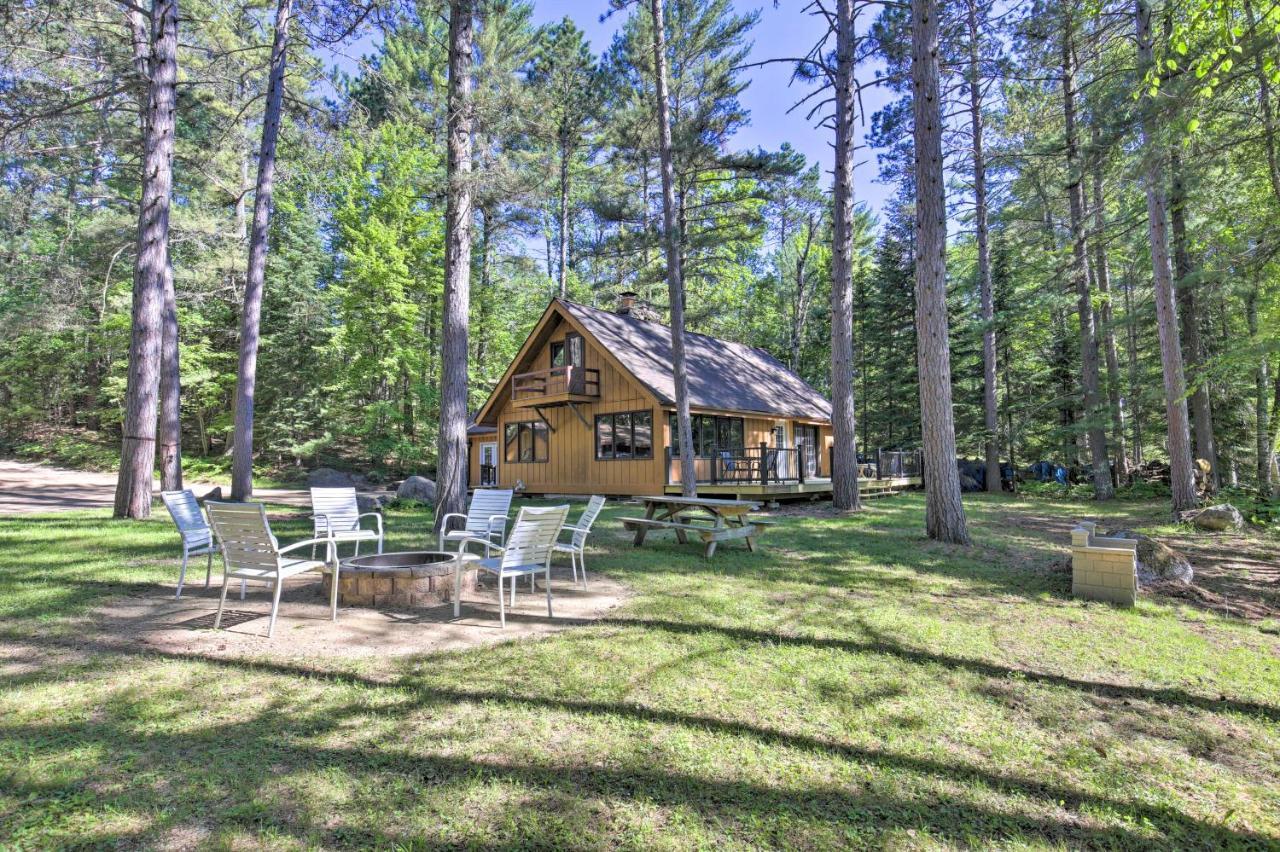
[793,490]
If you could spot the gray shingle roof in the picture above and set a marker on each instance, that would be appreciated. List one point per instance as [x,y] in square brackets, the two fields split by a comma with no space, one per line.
[722,375]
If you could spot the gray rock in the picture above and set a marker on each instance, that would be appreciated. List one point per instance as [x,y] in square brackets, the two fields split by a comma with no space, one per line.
[327,477]
[214,494]
[417,488]
[370,502]
[1157,560]
[1218,518]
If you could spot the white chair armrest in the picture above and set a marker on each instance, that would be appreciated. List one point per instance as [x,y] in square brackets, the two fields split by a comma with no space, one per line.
[320,520]
[328,541]
[444,522]
[472,540]
[377,516]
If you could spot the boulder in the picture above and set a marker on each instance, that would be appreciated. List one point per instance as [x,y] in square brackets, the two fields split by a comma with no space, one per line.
[1218,518]
[214,494]
[417,488]
[370,502]
[1157,560]
[327,477]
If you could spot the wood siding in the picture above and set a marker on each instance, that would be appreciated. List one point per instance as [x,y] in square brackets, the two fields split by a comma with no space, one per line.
[571,466]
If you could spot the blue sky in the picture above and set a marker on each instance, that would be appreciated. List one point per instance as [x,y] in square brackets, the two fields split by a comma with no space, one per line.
[783,30]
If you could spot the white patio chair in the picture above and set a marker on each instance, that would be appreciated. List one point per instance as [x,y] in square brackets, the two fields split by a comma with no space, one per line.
[576,545]
[484,523]
[527,551]
[338,510]
[197,537]
[251,552]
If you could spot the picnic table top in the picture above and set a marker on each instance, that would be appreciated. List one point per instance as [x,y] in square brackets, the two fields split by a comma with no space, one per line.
[709,502]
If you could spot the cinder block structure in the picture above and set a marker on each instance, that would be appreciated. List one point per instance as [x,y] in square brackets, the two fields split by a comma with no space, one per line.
[1102,568]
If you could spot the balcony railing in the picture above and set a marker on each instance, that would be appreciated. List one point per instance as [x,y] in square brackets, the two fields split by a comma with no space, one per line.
[539,384]
[759,465]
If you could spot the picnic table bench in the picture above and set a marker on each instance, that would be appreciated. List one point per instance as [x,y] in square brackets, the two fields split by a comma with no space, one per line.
[721,520]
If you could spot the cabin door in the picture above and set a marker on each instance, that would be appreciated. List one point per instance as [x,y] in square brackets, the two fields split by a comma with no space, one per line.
[488,464]
[807,440]
[780,443]
[575,357]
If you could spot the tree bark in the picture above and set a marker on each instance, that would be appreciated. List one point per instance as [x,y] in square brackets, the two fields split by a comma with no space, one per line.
[1131,326]
[451,478]
[1090,379]
[944,513]
[1102,273]
[170,393]
[844,463]
[564,218]
[256,270]
[1262,387]
[1189,316]
[671,237]
[138,447]
[1175,385]
[990,410]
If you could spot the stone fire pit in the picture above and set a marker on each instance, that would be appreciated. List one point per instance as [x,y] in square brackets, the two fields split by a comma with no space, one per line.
[421,578]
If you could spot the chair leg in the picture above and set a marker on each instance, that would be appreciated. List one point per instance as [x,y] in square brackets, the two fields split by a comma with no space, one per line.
[333,592]
[357,551]
[582,564]
[182,573]
[573,566]
[208,569]
[222,601]
[313,552]
[243,585]
[379,545]
[513,589]
[548,573]
[275,606]
[502,612]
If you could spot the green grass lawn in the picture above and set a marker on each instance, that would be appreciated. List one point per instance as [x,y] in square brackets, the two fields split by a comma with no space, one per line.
[851,686]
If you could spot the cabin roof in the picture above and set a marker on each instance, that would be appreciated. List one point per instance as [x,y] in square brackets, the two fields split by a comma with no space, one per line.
[723,375]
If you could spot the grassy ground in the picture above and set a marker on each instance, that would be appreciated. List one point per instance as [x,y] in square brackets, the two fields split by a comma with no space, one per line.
[852,686]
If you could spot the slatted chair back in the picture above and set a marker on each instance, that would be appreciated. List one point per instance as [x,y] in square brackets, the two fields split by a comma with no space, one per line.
[187,516]
[486,502]
[245,535]
[534,535]
[589,515]
[336,509]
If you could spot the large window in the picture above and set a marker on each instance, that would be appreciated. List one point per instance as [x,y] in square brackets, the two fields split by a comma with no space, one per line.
[711,434]
[625,435]
[525,442]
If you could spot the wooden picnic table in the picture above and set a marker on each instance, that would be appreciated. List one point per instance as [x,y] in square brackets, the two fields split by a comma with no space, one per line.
[714,520]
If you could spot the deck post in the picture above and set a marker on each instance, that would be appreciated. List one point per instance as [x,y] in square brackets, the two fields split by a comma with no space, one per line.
[764,468]
[800,462]
[667,470]
[715,457]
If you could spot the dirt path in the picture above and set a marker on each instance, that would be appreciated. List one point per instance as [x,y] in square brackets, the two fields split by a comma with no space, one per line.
[26,488]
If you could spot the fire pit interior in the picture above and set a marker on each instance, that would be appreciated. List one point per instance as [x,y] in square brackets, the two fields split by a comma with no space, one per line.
[420,578]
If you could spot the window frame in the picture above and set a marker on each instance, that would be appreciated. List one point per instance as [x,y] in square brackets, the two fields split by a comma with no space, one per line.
[525,430]
[612,417]
[708,425]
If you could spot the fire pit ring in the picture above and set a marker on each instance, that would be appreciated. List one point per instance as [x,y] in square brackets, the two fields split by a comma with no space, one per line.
[417,578]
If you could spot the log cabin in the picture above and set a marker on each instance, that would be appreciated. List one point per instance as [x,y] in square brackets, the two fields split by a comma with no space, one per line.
[588,407]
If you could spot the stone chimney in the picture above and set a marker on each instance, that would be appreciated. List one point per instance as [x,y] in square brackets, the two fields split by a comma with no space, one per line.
[626,301]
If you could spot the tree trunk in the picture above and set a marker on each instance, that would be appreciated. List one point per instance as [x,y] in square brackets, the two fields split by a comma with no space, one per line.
[844,462]
[170,393]
[451,477]
[990,410]
[1102,274]
[256,270]
[1090,380]
[564,218]
[944,513]
[1131,327]
[1189,316]
[1262,387]
[138,447]
[1175,385]
[671,235]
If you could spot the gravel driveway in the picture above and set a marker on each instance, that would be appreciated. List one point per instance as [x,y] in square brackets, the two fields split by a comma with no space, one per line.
[27,488]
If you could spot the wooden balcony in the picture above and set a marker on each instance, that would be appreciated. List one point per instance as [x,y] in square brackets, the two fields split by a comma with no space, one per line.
[556,386]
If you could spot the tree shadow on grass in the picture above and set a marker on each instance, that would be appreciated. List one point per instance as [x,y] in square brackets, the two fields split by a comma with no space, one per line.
[279,740]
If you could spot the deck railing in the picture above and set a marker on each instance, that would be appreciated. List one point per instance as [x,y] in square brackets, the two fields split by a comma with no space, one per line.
[581,381]
[758,465]
[885,464]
